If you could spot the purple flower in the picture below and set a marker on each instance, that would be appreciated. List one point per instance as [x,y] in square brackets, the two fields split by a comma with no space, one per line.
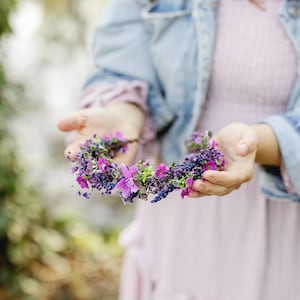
[127,184]
[189,182]
[107,137]
[118,135]
[198,140]
[95,170]
[102,164]
[161,171]
[82,182]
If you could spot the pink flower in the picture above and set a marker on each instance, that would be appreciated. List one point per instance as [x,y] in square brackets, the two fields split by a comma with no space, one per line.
[102,164]
[189,183]
[213,143]
[117,135]
[161,171]
[210,165]
[127,184]
[82,182]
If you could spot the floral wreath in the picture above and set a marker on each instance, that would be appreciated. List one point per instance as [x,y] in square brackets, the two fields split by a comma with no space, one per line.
[95,170]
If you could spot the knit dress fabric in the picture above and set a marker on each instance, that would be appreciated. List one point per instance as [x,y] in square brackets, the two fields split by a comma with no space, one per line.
[241,246]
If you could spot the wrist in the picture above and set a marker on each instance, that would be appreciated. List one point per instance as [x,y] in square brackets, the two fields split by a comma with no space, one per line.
[268,151]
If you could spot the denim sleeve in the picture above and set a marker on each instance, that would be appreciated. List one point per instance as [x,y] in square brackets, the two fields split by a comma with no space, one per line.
[287,130]
[121,51]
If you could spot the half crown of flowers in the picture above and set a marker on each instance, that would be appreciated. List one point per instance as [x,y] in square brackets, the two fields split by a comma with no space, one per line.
[95,169]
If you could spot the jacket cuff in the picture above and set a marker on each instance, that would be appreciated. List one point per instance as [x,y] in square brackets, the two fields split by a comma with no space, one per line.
[102,93]
[287,134]
[287,180]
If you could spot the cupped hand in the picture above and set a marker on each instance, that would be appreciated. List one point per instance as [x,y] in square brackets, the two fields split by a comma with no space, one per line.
[86,123]
[239,143]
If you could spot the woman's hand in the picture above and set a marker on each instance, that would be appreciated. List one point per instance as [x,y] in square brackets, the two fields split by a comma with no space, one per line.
[124,117]
[239,143]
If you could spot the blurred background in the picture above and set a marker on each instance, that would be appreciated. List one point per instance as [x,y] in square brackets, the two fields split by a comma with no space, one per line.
[53,244]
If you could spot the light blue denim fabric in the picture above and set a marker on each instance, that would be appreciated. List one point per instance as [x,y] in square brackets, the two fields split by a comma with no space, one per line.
[167,41]
[287,126]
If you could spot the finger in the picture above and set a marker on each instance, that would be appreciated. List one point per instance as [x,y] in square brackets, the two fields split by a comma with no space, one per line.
[228,178]
[71,151]
[195,194]
[207,188]
[73,148]
[74,122]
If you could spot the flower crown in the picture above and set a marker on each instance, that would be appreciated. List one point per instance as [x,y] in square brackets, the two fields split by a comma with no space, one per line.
[95,170]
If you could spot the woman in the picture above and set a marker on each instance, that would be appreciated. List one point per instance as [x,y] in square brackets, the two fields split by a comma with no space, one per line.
[169,67]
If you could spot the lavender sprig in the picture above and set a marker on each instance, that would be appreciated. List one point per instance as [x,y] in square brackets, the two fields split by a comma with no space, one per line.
[95,170]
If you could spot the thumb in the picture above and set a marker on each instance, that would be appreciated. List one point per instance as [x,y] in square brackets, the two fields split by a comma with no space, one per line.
[247,144]
[242,149]
[70,123]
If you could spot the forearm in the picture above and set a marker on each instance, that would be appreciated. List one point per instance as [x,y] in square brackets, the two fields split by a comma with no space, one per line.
[268,151]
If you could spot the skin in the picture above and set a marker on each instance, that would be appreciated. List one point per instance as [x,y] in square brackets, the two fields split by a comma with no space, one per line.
[124,117]
[243,145]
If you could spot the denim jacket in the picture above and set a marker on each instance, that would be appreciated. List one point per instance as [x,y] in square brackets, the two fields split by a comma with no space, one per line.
[164,42]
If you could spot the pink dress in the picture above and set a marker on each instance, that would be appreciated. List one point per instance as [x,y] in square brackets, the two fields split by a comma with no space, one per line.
[241,246]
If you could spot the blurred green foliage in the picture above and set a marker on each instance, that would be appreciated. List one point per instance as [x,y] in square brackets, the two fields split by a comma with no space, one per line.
[42,258]
[5,8]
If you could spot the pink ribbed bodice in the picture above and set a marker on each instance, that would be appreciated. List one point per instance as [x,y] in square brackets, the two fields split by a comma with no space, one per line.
[254,65]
